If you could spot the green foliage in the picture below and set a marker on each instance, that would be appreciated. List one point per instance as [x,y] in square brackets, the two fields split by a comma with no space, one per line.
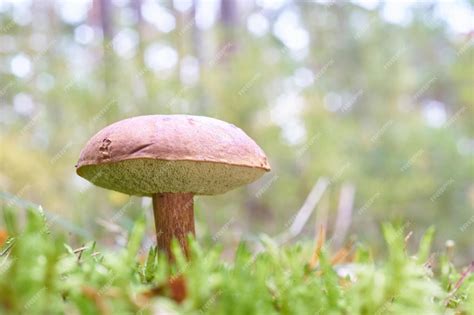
[42,275]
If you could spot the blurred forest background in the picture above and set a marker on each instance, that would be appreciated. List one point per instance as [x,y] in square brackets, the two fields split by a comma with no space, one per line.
[375,97]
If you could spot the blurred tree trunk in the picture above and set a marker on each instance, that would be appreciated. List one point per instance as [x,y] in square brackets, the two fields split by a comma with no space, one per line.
[105,20]
[180,34]
[228,13]
[197,49]
[142,77]
[102,13]
[228,19]
[136,7]
[107,41]
[196,34]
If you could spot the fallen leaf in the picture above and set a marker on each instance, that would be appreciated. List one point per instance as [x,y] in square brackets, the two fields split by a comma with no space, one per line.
[3,237]
[345,283]
[96,296]
[178,288]
[175,288]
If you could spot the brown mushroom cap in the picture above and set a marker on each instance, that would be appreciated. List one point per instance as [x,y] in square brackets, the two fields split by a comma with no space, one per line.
[152,154]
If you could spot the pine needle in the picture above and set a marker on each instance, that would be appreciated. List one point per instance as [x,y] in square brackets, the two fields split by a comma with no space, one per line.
[458,284]
[342,255]
[321,238]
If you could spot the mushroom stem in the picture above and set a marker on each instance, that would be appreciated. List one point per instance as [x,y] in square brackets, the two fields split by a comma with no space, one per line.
[174,218]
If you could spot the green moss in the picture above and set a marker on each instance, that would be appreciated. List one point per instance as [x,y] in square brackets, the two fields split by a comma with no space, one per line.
[40,274]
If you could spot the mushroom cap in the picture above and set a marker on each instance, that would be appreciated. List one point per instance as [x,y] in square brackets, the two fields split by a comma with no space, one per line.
[152,154]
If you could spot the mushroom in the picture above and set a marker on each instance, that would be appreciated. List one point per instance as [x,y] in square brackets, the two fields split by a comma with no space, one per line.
[171,158]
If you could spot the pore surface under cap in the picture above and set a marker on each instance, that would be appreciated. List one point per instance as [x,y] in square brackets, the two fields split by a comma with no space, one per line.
[171,153]
[144,177]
